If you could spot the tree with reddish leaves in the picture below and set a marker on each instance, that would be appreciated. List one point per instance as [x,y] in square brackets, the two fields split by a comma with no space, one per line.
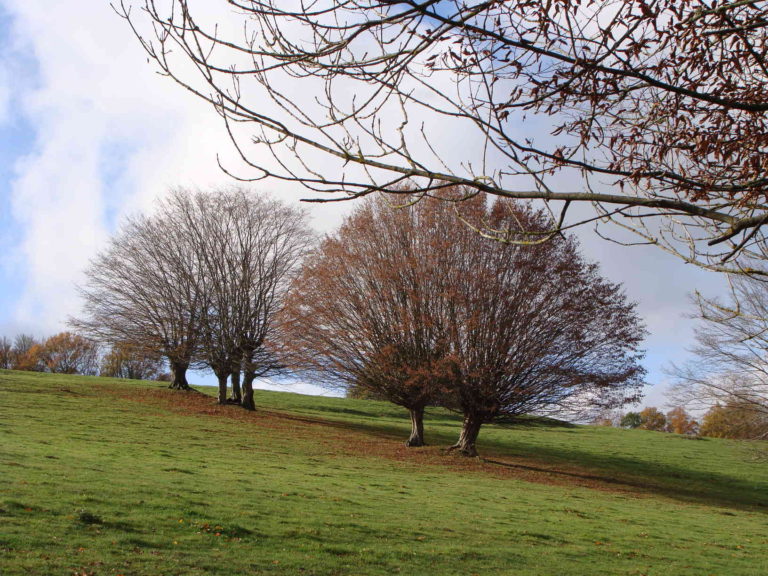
[422,309]
[68,353]
[654,112]
[680,422]
[537,329]
[369,307]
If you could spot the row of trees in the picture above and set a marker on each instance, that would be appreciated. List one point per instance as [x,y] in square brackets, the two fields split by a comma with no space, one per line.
[414,307]
[391,305]
[199,283]
[407,303]
[69,353]
[654,113]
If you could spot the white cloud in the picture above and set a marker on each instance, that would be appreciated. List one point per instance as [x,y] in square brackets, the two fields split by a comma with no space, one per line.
[110,135]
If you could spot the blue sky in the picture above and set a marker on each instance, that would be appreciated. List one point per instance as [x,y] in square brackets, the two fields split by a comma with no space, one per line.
[90,134]
[18,135]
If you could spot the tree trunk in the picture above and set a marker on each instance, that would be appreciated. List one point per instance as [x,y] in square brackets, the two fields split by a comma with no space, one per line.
[222,378]
[469,431]
[236,393]
[179,371]
[247,402]
[417,427]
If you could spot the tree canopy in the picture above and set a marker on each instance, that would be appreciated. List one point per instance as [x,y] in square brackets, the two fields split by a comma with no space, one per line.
[199,282]
[730,370]
[652,111]
[420,309]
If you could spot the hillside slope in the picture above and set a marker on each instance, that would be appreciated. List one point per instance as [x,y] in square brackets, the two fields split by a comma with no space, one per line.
[101,476]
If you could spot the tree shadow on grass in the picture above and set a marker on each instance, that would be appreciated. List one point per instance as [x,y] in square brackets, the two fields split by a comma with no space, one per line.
[688,486]
[618,472]
[571,466]
[560,464]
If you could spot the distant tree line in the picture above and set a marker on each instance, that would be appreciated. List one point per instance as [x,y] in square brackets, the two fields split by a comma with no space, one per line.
[676,421]
[727,381]
[70,353]
[730,420]
[729,376]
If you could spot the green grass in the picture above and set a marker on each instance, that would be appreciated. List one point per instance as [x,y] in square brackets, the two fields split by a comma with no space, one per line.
[100,476]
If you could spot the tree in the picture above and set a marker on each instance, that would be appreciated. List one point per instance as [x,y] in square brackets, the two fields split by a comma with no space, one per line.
[198,282]
[731,364]
[631,420]
[26,353]
[68,353]
[137,292]
[680,422]
[368,310]
[6,353]
[126,361]
[246,249]
[734,420]
[538,330]
[653,419]
[641,109]
[394,304]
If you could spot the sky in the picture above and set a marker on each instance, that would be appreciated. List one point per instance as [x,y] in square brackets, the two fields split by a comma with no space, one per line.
[90,134]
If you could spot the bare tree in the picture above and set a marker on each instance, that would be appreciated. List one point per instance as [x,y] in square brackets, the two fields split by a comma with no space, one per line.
[138,292]
[274,239]
[395,304]
[26,353]
[731,366]
[653,112]
[246,248]
[22,343]
[6,353]
[198,282]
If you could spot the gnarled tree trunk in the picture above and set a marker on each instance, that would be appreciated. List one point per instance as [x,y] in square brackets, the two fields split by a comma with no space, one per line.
[237,395]
[247,402]
[469,432]
[179,372]
[417,427]
[222,378]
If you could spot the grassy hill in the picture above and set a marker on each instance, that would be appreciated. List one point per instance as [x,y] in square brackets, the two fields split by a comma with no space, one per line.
[101,476]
